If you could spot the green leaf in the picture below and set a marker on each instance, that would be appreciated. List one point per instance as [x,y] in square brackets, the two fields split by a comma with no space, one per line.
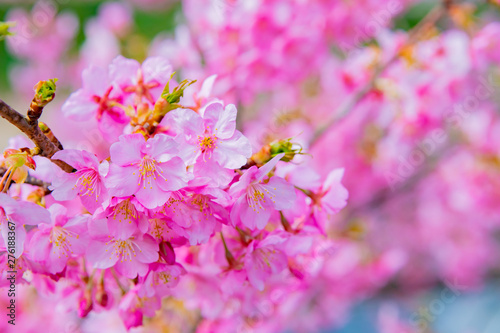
[175,96]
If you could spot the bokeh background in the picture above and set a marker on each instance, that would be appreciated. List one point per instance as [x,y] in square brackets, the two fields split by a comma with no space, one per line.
[451,268]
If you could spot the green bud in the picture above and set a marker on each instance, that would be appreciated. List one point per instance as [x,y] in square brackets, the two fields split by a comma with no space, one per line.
[284,146]
[168,101]
[45,91]
[4,29]
[43,127]
[175,96]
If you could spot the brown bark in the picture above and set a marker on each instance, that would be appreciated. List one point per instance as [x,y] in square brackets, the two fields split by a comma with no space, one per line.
[47,147]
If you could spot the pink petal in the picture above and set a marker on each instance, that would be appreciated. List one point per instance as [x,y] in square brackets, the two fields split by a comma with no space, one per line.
[77,159]
[112,127]
[249,217]
[127,150]
[30,213]
[101,255]
[63,186]
[40,246]
[147,249]
[157,69]
[184,122]
[266,168]
[79,106]
[161,147]
[150,195]
[122,181]
[174,171]
[95,80]
[206,87]
[123,71]
[216,175]
[131,269]
[222,120]
[234,152]
[283,193]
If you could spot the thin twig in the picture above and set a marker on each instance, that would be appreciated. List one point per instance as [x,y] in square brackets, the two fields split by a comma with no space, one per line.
[47,147]
[386,194]
[118,283]
[430,19]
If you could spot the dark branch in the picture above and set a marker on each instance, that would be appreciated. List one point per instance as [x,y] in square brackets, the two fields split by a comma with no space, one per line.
[47,147]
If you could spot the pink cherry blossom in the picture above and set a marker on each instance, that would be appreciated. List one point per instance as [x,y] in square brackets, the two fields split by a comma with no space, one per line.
[212,135]
[147,169]
[66,237]
[162,278]
[125,216]
[98,99]
[263,259]
[87,181]
[130,256]
[145,81]
[130,310]
[222,205]
[13,216]
[258,195]
[330,198]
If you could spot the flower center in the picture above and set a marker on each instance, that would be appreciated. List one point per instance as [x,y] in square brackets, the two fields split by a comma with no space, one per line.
[106,104]
[125,210]
[157,228]
[87,183]
[256,197]
[207,142]
[123,249]
[162,278]
[59,238]
[149,169]
[200,201]
[141,88]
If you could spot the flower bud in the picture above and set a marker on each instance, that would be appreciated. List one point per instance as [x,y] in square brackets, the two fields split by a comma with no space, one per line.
[269,151]
[101,295]
[167,252]
[17,158]
[169,100]
[45,91]
[85,305]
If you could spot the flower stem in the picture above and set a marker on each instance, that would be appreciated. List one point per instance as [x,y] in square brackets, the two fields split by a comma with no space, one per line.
[229,256]
[285,223]
[9,180]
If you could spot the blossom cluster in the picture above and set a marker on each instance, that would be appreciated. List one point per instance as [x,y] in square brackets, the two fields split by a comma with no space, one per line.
[177,195]
[183,213]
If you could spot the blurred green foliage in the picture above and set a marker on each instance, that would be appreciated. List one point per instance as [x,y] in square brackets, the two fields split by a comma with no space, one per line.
[147,24]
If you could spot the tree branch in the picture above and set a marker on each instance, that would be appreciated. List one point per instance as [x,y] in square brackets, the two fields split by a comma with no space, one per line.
[413,35]
[386,194]
[47,148]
